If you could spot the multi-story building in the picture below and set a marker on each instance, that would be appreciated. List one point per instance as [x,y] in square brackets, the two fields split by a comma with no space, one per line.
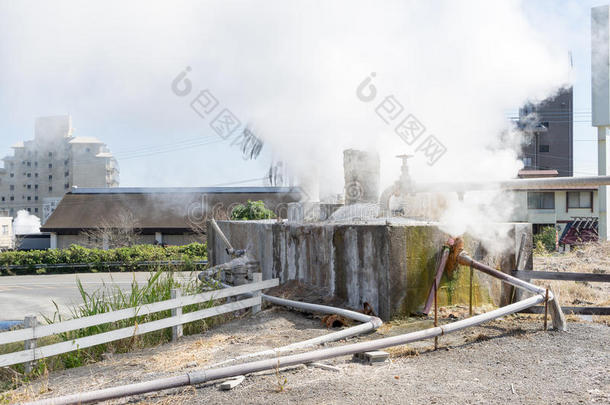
[42,170]
[549,134]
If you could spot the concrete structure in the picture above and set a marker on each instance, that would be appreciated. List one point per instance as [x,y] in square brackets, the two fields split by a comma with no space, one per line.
[173,216]
[600,103]
[550,136]
[6,232]
[390,265]
[361,172]
[42,170]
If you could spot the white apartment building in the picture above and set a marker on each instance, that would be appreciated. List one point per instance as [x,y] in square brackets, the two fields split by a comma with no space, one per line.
[573,212]
[42,170]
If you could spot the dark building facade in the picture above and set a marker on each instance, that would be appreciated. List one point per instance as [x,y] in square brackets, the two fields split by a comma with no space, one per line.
[549,134]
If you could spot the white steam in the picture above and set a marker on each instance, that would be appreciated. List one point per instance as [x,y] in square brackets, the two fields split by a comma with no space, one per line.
[26,223]
[291,69]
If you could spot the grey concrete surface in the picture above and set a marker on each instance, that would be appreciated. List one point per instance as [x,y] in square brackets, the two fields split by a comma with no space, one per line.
[23,295]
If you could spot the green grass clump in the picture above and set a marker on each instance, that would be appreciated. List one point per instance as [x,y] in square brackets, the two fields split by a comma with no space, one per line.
[107,299]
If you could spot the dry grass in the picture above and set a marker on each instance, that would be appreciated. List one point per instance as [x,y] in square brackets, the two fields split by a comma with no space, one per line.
[590,258]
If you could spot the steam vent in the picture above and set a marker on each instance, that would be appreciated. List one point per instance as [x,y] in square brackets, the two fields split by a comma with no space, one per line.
[351,253]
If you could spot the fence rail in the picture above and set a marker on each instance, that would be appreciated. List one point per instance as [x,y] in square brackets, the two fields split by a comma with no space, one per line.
[30,335]
[565,276]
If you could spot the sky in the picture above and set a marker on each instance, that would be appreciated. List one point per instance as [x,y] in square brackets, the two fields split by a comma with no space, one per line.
[281,68]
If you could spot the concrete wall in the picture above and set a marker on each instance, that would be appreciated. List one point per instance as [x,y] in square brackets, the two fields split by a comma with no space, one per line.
[390,267]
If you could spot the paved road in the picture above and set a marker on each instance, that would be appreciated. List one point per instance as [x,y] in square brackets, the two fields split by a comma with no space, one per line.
[23,295]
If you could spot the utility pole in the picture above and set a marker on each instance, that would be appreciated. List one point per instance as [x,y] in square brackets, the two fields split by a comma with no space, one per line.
[600,103]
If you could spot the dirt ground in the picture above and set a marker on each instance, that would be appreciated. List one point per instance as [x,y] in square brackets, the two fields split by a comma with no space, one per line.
[510,360]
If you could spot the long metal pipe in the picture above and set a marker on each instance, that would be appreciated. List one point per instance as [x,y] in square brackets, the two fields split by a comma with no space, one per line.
[230,249]
[515,184]
[370,323]
[202,376]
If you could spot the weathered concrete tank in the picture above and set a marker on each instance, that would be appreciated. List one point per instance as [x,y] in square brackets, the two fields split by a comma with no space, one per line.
[389,265]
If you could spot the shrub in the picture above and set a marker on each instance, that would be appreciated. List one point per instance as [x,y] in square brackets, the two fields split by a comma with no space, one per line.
[98,259]
[545,239]
[250,211]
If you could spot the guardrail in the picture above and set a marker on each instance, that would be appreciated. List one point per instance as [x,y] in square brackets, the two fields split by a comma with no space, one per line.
[565,276]
[101,264]
[32,332]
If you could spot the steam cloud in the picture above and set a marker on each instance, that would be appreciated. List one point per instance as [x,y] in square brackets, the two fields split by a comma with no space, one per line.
[26,223]
[291,68]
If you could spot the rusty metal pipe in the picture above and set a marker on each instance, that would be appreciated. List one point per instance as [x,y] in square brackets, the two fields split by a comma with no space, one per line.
[437,278]
[466,260]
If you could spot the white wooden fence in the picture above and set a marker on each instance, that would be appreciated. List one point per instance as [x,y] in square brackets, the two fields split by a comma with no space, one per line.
[30,334]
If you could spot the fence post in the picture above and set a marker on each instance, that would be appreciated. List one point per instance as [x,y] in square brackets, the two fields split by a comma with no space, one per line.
[257,278]
[176,330]
[30,321]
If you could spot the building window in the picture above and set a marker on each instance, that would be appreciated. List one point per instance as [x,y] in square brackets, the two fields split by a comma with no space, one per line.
[527,161]
[66,162]
[50,154]
[50,165]
[12,174]
[4,229]
[543,148]
[29,174]
[29,210]
[12,198]
[35,209]
[50,189]
[67,185]
[579,199]
[88,150]
[66,174]
[36,198]
[35,164]
[29,198]
[29,186]
[12,187]
[50,177]
[540,201]
[36,175]
[3,198]
[36,186]
[29,164]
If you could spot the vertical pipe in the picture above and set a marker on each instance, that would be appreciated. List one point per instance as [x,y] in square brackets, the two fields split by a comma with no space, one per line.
[435,314]
[470,302]
[546,307]
[437,278]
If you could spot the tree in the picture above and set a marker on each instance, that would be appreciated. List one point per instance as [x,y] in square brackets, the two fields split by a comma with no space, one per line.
[120,230]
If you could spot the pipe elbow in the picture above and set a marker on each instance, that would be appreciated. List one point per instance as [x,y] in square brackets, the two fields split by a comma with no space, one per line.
[376,322]
[384,200]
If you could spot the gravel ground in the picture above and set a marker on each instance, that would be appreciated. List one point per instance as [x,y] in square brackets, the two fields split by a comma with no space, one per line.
[509,360]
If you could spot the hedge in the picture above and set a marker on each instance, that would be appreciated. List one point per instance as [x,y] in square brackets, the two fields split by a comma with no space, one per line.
[127,256]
